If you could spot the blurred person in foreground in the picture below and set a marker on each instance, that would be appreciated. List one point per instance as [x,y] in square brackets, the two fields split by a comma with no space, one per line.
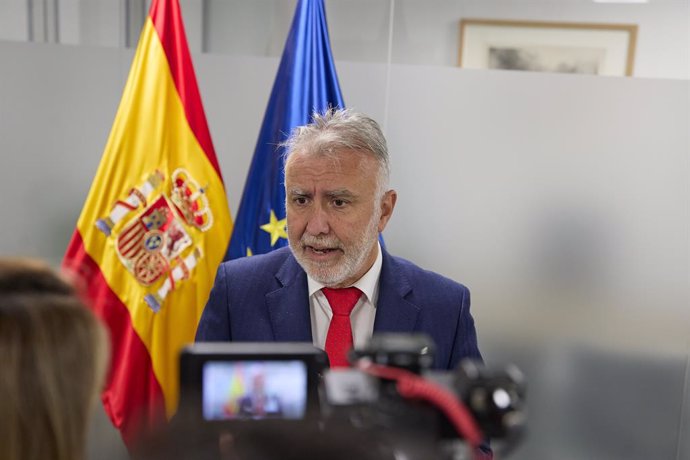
[337,202]
[53,357]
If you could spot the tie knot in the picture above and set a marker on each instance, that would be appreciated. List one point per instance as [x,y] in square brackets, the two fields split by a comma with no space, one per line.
[342,301]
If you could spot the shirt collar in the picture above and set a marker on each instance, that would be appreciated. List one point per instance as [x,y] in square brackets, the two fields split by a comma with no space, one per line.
[368,283]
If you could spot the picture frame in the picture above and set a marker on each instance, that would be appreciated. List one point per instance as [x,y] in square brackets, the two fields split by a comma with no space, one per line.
[564,47]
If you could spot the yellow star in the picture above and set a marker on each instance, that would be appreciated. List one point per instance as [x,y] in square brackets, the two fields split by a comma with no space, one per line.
[249,252]
[276,228]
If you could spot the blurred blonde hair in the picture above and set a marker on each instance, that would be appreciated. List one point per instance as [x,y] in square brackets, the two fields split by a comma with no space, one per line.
[53,356]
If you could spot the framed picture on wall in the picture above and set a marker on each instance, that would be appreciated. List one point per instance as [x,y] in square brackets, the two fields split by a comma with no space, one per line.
[565,47]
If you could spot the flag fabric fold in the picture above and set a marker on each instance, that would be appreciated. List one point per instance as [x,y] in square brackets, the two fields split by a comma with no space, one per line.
[306,81]
[154,227]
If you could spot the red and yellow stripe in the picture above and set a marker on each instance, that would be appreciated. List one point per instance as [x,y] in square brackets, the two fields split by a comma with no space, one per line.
[160,125]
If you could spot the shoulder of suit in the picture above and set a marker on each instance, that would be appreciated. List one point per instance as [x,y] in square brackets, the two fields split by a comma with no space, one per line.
[420,277]
[258,262]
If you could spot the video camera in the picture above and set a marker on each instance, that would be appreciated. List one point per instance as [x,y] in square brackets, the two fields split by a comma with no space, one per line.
[389,392]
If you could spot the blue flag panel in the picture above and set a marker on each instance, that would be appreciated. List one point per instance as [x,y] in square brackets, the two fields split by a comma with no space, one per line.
[306,82]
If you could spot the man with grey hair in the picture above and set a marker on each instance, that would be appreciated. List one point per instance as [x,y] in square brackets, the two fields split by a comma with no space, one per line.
[335,285]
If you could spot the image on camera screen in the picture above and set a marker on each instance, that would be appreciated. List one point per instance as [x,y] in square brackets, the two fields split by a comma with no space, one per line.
[254,390]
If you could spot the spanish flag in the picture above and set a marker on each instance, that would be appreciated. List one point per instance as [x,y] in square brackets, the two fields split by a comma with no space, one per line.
[154,227]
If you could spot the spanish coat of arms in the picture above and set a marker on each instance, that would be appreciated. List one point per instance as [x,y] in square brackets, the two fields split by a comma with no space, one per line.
[155,241]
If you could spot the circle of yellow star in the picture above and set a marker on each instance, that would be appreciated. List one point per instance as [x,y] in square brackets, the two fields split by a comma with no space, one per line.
[276,228]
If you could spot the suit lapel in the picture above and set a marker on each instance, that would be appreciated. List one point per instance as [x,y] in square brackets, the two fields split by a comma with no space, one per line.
[393,312]
[288,306]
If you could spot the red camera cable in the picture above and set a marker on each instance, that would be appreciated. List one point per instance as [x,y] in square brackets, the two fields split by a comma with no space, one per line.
[413,386]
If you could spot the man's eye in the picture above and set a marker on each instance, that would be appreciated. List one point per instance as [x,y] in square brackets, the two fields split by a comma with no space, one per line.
[339,203]
[300,200]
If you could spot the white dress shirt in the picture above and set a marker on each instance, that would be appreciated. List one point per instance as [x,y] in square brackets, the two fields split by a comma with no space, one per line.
[362,316]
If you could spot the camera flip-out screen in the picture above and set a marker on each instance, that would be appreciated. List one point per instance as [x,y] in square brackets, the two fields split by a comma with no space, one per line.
[254,390]
[251,381]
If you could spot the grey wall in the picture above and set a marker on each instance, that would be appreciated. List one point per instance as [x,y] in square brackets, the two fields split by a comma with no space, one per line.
[423,31]
[561,201]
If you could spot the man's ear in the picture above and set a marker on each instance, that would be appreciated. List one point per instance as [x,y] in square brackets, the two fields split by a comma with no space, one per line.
[387,205]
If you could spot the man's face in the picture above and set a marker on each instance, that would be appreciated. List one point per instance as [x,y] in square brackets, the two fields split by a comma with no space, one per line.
[333,214]
[258,384]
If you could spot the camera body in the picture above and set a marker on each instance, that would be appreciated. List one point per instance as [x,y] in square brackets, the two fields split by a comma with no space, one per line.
[242,386]
[495,399]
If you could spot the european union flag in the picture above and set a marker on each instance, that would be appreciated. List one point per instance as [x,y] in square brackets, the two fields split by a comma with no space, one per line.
[306,82]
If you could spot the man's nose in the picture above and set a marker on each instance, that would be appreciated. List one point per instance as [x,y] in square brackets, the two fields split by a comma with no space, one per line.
[318,222]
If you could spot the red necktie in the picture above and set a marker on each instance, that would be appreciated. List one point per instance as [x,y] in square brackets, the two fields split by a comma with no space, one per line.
[339,338]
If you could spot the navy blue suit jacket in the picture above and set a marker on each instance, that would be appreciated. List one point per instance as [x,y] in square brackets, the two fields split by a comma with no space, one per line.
[265,298]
